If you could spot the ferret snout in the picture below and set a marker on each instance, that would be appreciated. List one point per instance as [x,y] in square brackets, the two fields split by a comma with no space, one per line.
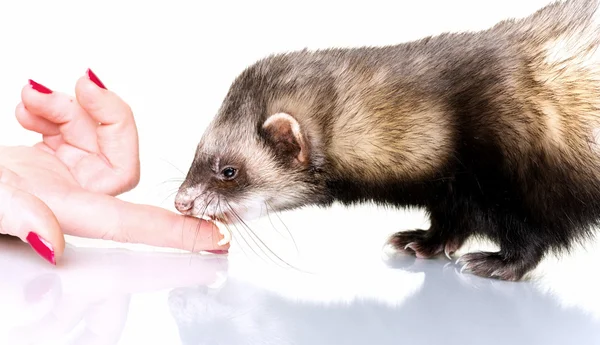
[184,205]
[186,198]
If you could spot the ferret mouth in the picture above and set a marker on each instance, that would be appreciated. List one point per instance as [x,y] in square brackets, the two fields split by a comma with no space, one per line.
[220,222]
[221,218]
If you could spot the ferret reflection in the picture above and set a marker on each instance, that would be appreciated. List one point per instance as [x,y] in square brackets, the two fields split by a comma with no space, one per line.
[499,312]
[235,314]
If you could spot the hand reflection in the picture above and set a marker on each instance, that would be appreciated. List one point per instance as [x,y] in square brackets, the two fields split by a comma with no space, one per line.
[87,301]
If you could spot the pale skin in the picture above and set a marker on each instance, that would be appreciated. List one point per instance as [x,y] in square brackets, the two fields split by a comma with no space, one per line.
[68,182]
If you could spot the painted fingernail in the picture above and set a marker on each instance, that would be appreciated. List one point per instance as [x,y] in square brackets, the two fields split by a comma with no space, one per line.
[39,87]
[41,246]
[93,77]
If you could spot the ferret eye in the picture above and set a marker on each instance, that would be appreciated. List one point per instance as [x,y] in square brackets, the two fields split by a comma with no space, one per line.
[229,173]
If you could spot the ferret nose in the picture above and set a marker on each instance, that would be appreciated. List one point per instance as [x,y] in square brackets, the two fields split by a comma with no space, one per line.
[183,205]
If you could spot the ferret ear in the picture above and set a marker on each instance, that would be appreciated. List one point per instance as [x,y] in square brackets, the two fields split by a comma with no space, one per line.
[286,136]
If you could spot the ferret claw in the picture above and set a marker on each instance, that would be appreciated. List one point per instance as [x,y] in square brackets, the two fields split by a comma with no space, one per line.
[496,274]
[411,246]
[464,267]
[447,254]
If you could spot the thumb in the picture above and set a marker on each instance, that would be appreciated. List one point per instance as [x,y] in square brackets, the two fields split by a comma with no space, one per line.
[24,216]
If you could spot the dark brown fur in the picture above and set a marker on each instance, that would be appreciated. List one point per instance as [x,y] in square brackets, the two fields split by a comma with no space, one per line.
[494,133]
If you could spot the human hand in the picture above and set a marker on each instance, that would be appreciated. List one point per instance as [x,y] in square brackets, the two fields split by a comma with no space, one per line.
[67,183]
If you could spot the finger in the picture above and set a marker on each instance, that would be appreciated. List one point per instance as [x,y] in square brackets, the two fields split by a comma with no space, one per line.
[76,127]
[101,216]
[117,134]
[27,217]
[35,123]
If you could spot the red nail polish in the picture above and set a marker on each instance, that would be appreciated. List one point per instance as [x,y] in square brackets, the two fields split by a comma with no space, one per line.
[39,87]
[93,77]
[41,246]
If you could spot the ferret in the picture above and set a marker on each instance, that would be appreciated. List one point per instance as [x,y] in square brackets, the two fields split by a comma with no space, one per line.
[494,133]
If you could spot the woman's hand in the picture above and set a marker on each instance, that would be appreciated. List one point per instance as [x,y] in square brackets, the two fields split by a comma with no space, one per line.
[67,182]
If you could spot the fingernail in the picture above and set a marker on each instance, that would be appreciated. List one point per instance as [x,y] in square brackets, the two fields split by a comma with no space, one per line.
[39,87]
[41,246]
[93,77]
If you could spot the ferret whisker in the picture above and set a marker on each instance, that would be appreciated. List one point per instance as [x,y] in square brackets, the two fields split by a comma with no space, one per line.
[220,211]
[243,237]
[240,234]
[271,221]
[258,238]
[170,181]
[194,242]
[174,179]
[250,233]
[282,222]
[253,236]
[199,223]
[173,165]
[169,196]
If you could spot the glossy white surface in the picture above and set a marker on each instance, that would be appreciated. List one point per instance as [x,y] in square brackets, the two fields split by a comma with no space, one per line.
[122,296]
[173,64]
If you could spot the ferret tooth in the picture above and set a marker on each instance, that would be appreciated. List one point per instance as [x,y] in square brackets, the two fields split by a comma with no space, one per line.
[224,231]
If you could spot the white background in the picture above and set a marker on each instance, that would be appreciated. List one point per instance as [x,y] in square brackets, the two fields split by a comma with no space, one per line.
[173,61]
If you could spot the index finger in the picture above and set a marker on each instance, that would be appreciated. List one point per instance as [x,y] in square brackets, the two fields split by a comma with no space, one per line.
[101,216]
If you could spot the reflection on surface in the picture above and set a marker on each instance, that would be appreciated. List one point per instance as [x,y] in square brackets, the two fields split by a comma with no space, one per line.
[104,296]
[449,308]
[85,300]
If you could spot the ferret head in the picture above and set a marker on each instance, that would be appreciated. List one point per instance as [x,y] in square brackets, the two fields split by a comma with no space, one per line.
[251,159]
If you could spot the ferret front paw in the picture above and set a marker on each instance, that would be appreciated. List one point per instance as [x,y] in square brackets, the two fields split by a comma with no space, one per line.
[492,265]
[422,244]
